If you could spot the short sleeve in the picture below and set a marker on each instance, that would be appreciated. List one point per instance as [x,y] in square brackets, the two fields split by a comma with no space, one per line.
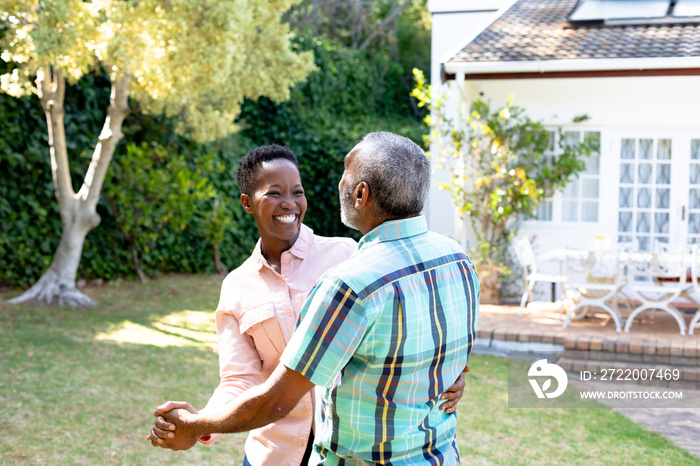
[333,325]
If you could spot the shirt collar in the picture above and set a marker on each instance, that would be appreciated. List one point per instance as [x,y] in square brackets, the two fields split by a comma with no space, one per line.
[299,249]
[392,230]
[303,243]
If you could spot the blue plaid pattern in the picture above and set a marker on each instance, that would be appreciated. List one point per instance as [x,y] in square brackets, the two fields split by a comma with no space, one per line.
[384,334]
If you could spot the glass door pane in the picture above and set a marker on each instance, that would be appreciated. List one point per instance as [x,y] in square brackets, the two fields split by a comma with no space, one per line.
[644,210]
[693,230]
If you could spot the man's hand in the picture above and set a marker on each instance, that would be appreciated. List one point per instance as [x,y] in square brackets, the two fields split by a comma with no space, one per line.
[255,408]
[171,416]
[454,393]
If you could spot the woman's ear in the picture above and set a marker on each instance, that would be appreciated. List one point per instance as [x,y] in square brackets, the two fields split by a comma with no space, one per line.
[245,202]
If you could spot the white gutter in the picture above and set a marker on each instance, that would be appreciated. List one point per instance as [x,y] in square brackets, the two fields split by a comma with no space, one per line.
[549,66]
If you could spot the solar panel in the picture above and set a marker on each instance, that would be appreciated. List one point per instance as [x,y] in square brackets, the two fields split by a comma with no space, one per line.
[685,8]
[601,10]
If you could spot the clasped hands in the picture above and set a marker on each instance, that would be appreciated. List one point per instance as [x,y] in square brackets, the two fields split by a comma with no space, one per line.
[176,425]
[175,416]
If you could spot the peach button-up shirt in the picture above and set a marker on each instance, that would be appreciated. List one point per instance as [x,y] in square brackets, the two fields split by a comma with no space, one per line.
[255,319]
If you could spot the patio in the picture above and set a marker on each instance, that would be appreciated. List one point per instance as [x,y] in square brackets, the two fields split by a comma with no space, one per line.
[591,343]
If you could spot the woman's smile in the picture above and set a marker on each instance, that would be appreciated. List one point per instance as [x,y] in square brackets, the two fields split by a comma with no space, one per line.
[286,218]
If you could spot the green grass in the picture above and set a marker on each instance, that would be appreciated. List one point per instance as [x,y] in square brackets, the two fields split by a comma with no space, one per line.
[77,386]
[491,433]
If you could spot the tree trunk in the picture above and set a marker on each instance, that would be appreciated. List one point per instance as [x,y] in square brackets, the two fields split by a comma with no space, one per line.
[220,267]
[78,210]
[137,264]
[57,284]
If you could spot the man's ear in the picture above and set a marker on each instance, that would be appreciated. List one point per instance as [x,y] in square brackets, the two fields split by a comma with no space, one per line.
[361,195]
[245,202]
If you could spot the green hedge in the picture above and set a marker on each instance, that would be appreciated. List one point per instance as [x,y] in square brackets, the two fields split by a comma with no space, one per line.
[347,96]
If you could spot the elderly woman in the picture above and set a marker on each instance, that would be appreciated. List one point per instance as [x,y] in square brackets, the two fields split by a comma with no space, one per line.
[261,300]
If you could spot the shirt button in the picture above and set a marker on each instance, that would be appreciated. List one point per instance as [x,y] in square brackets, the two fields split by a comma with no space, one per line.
[289,313]
[283,283]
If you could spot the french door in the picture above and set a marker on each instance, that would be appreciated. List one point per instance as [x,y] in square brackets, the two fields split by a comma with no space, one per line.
[659,188]
[692,212]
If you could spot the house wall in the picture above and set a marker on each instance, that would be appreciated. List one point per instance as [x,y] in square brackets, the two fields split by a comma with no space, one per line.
[455,23]
[653,102]
[645,105]
[667,107]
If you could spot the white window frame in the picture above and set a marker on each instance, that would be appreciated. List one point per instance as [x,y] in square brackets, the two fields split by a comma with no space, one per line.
[557,200]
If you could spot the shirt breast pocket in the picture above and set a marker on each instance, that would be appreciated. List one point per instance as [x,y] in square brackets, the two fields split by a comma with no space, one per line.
[260,323]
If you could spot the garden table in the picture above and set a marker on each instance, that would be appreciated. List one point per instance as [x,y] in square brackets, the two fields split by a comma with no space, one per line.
[657,279]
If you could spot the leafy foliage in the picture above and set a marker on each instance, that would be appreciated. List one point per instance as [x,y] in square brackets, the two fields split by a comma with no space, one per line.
[29,218]
[343,99]
[192,59]
[394,34]
[356,24]
[150,190]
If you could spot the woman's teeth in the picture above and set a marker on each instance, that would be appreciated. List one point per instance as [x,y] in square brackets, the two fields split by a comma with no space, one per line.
[286,218]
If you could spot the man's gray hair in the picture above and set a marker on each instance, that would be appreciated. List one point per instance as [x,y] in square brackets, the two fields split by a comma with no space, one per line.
[397,172]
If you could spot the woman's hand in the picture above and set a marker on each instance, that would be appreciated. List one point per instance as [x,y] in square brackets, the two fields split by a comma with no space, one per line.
[454,393]
[163,432]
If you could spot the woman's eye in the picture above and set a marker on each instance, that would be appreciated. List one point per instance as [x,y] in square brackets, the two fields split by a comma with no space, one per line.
[299,193]
[273,193]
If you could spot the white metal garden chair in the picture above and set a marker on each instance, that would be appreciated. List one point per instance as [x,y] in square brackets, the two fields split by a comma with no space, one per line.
[526,258]
[597,279]
[657,279]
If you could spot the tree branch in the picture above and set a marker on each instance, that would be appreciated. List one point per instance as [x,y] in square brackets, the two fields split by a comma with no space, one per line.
[60,87]
[51,88]
[109,137]
[392,16]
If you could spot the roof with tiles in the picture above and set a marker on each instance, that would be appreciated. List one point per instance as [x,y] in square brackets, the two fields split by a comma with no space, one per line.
[533,30]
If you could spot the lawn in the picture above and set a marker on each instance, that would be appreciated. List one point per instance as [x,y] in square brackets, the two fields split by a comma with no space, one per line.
[77,386]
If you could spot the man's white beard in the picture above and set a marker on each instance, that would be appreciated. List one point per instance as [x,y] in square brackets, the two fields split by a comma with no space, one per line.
[348,213]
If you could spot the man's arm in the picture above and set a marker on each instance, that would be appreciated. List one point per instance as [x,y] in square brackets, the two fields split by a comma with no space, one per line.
[255,408]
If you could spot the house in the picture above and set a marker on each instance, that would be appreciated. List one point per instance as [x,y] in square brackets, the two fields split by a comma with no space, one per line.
[628,71]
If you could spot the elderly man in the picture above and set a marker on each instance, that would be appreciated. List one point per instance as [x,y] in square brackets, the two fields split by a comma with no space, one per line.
[381,335]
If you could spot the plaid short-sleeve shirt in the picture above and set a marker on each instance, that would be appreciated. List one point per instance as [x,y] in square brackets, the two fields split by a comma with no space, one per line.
[383,335]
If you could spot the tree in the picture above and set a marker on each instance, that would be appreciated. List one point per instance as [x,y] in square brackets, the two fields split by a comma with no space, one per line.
[500,171]
[194,59]
[393,34]
[354,23]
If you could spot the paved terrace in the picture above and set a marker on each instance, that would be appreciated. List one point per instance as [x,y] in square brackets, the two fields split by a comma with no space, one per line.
[593,342]
[543,325]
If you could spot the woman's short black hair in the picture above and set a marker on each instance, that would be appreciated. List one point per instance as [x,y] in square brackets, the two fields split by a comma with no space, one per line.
[246,173]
